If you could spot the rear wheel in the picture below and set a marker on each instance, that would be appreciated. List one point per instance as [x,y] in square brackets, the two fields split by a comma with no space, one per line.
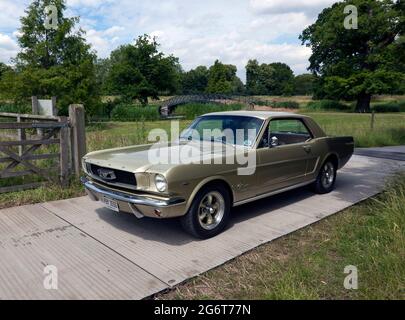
[326,179]
[209,212]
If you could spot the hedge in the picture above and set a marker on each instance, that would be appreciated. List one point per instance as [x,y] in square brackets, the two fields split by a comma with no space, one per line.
[328,105]
[389,107]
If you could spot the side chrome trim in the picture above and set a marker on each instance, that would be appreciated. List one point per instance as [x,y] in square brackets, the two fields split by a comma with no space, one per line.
[272,193]
[131,199]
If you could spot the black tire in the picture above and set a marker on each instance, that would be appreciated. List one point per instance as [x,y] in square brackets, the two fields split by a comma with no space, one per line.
[320,186]
[191,222]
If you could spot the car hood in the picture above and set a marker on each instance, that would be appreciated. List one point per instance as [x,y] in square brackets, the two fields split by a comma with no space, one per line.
[146,157]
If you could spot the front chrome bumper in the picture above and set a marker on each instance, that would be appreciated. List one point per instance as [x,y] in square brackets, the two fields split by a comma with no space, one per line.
[138,205]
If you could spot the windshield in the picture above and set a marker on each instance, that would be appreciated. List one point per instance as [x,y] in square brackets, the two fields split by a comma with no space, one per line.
[236,130]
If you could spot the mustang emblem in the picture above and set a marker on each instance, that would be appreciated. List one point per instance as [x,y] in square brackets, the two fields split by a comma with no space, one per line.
[106,174]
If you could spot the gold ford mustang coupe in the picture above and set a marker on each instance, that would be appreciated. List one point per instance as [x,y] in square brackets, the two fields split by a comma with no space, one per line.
[221,160]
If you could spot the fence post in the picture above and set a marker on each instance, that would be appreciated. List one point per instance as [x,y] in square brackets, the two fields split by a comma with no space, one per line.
[78,135]
[372,120]
[64,153]
[21,137]
[54,109]
[35,110]
[35,107]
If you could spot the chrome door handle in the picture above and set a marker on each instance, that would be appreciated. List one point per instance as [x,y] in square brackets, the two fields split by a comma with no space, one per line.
[307,148]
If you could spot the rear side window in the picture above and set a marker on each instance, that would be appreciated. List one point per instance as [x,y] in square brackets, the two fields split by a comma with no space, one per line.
[284,132]
[293,126]
[289,131]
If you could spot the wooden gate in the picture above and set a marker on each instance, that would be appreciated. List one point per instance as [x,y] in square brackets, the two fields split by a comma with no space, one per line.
[39,149]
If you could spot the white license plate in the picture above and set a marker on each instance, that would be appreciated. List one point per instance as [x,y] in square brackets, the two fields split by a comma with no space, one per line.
[110,204]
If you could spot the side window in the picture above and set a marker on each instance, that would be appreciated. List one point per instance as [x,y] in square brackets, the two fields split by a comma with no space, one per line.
[288,131]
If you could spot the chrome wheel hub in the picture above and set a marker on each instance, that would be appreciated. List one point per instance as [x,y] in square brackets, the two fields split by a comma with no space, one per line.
[211,210]
[328,175]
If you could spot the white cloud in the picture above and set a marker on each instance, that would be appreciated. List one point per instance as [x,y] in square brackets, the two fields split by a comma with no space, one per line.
[198,32]
[86,3]
[113,30]
[8,48]
[283,6]
[104,41]
[10,12]
[231,48]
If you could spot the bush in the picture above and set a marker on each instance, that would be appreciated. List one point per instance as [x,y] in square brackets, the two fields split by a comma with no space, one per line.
[192,110]
[15,108]
[287,105]
[261,102]
[130,112]
[389,107]
[283,104]
[328,105]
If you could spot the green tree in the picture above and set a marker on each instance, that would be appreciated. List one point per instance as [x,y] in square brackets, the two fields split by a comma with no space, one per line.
[3,69]
[304,84]
[356,63]
[54,62]
[102,69]
[140,71]
[283,80]
[223,79]
[259,78]
[195,81]
[269,79]
[5,72]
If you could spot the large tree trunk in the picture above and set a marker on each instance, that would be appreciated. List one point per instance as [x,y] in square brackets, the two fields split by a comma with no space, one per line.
[363,102]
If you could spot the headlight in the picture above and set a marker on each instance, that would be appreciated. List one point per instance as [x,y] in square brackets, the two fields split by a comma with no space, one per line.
[160,183]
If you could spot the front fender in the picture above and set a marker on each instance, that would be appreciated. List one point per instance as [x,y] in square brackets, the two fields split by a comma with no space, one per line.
[204,182]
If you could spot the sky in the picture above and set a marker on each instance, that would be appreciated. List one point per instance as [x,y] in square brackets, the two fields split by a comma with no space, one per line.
[197,32]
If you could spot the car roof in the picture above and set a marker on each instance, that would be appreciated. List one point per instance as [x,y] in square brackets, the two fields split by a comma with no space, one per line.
[257,114]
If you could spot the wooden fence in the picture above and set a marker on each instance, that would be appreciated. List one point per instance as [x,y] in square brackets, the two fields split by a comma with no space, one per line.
[38,149]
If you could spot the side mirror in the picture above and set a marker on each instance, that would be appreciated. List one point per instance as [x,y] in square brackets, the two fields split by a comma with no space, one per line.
[273,142]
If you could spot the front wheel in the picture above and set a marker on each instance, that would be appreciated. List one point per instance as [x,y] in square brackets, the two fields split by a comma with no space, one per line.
[326,179]
[209,213]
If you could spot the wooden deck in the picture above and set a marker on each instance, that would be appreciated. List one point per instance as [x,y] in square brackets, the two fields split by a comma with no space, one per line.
[103,255]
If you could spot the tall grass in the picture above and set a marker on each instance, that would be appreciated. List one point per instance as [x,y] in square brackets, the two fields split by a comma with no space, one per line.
[310,263]
[129,112]
[15,108]
[192,110]
[328,105]
[393,106]
[389,129]
[119,134]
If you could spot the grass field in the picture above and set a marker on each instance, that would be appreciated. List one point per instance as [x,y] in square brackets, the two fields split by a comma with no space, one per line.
[304,100]
[309,264]
[389,129]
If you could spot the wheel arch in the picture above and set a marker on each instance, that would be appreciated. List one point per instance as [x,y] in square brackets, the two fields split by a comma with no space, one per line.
[334,158]
[210,181]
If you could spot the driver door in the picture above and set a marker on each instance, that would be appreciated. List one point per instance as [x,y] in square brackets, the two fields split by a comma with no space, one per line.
[282,159]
